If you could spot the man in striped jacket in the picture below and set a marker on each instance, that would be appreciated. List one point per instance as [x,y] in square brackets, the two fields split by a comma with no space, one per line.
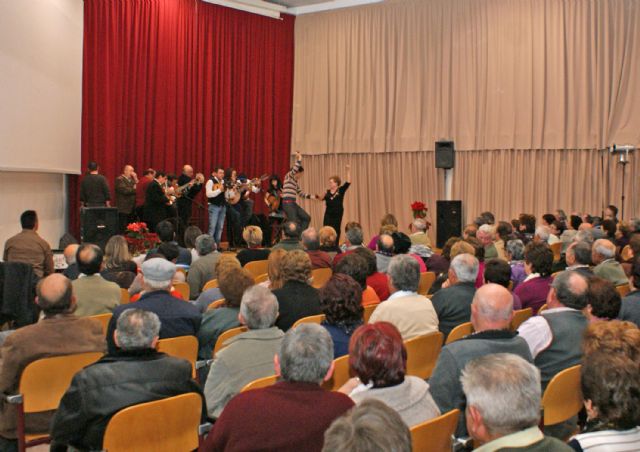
[291,190]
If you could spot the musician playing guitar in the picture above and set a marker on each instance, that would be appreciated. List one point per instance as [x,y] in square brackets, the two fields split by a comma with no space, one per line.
[188,188]
[215,191]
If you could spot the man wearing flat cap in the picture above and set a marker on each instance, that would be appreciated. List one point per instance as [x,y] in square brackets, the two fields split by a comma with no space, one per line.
[178,318]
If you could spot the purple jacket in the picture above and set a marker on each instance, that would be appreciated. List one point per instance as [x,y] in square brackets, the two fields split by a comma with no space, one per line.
[533,293]
[517,273]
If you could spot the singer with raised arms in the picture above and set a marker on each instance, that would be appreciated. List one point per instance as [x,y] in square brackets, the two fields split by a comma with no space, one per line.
[334,201]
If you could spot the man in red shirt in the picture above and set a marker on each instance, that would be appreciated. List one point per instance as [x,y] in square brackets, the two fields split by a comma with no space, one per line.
[141,189]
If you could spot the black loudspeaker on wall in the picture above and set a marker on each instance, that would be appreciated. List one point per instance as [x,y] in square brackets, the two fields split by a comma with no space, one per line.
[98,224]
[445,157]
[449,221]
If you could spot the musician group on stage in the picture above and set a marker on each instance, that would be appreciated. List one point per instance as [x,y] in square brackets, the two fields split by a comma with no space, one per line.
[157,196]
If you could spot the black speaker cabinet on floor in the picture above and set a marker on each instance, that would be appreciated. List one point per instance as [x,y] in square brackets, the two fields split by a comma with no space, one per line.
[98,224]
[445,157]
[449,221]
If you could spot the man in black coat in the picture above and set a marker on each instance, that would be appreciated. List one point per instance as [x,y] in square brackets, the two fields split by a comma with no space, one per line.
[155,201]
[188,194]
[128,377]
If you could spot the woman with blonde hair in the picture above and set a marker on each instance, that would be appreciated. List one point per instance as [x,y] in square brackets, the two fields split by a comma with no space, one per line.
[329,241]
[225,264]
[388,225]
[274,269]
[255,251]
[118,266]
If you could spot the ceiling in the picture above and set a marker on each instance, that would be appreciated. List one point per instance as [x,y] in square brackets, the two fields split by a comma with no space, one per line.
[296,3]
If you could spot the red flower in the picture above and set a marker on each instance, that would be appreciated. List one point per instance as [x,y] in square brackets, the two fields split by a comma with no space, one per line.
[419,206]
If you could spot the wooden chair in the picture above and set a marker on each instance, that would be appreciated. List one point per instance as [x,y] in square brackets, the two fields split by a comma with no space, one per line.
[220,342]
[164,425]
[368,310]
[261,383]
[125,298]
[310,319]
[426,281]
[262,278]
[422,354]
[542,308]
[320,276]
[185,347]
[215,304]
[212,284]
[435,435]
[626,254]
[520,316]
[257,268]
[563,397]
[340,374]
[557,251]
[42,385]
[184,289]
[459,332]
[103,319]
[623,289]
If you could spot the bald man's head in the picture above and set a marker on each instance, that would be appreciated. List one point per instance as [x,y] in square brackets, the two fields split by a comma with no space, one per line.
[187,170]
[492,308]
[70,253]
[55,294]
[385,244]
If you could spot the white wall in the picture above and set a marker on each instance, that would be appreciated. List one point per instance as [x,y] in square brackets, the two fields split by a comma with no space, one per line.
[43,192]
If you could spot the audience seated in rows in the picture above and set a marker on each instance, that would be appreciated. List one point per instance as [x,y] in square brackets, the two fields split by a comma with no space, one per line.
[402,245]
[118,266]
[418,235]
[247,356]
[69,252]
[254,251]
[486,236]
[216,321]
[603,301]
[498,271]
[136,373]
[452,303]
[178,317]
[167,234]
[190,235]
[554,336]
[388,225]
[603,256]
[578,258]
[357,267]
[340,302]
[296,298]
[515,256]
[328,241]
[384,252]
[503,405]
[491,314]
[28,247]
[295,412]
[311,244]
[59,332]
[224,264]
[94,294]
[526,227]
[377,281]
[369,426]
[353,241]
[274,270]
[538,261]
[378,359]
[290,237]
[630,309]
[204,269]
[412,314]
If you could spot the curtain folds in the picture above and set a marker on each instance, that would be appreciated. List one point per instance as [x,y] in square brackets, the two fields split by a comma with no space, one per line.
[171,82]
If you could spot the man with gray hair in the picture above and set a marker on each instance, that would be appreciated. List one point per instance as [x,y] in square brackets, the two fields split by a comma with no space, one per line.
[491,313]
[419,234]
[487,235]
[503,405]
[311,245]
[578,258]
[353,241]
[247,356]
[204,269]
[128,377]
[410,312]
[555,335]
[606,267]
[294,413]
[453,302]
[178,317]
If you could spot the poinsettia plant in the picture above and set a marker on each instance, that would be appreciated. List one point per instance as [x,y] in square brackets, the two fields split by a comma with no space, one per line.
[139,239]
[419,209]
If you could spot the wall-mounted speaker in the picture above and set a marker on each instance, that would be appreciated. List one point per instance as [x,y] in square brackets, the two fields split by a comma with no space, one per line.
[445,154]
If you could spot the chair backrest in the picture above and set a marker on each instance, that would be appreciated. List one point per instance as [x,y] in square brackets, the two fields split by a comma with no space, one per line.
[422,354]
[124,296]
[320,276]
[215,304]
[563,397]
[623,289]
[340,374]
[261,278]
[426,281]
[185,347]
[459,332]
[184,289]
[368,310]
[212,284]
[103,319]
[44,382]
[169,425]
[542,308]
[310,319]
[557,250]
[227,335]
[260,383]
[520,316]
[257,268]
[435,435]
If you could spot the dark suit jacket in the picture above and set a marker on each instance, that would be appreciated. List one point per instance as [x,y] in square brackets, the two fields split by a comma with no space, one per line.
[155,205]
[453,306]
[296,300]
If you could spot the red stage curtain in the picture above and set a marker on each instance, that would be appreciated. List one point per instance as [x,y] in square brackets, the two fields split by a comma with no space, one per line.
[169,82]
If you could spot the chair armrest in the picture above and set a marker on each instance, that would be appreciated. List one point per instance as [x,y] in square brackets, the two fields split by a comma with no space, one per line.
[14,399]
[203,363]
[205,428]
[462,444]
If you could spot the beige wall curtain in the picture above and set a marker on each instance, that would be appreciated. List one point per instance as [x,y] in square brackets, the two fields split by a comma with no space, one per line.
[525,88]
